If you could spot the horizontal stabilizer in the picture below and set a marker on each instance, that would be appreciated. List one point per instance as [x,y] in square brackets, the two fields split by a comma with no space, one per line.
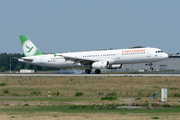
[26,59]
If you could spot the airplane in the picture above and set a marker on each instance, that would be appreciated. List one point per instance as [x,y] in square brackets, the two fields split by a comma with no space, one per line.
[105,59]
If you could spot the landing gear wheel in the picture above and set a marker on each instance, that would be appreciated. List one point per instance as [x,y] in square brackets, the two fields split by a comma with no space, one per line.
[150,64]
[87,71]
[97,71]
[151,68]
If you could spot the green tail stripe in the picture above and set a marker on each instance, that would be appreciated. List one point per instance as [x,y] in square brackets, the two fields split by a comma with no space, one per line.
[23,38]
[38,53]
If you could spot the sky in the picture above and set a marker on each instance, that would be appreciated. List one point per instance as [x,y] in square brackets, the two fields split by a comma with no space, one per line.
[85,25]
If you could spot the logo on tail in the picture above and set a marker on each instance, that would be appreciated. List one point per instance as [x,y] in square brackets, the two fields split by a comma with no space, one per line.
[29,49]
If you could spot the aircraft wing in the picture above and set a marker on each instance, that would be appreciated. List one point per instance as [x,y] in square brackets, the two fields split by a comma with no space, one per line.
[83,61]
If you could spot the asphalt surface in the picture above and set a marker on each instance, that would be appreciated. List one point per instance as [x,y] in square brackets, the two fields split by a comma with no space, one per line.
[96,75]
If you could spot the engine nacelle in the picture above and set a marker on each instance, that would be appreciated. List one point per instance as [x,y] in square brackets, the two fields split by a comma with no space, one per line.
[115,66]
[100,65]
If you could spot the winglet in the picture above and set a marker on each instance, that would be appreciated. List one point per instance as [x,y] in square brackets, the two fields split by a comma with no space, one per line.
[28,47]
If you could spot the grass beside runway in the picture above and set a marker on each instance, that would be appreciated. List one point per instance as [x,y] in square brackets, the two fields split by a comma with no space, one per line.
[84,92]
[88,86]
[81,109]
[85,112]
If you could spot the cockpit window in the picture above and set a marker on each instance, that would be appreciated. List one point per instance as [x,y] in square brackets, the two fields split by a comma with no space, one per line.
[159,51]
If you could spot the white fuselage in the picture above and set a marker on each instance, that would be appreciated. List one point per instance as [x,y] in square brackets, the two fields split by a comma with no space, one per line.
[120,56]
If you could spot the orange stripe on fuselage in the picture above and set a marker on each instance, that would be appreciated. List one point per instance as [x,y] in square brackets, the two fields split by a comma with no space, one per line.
[131,51]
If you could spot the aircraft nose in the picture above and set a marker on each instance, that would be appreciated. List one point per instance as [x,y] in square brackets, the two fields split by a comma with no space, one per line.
[165,55]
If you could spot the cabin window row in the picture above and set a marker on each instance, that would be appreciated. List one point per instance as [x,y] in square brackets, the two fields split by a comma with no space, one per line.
[100,55]
[89,56]
[133,53]
[56,58]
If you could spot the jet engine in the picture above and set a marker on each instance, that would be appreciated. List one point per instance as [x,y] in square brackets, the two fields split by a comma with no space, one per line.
[115,66]
[100,65]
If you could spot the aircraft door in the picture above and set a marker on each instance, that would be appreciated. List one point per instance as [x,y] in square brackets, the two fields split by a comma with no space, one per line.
[148,53]
[117,56]
[41,61]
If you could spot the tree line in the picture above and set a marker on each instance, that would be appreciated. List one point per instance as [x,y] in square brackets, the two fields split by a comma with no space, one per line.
[7,63]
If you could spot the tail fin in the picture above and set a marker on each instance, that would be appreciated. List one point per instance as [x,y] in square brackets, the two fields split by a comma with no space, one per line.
[28,47]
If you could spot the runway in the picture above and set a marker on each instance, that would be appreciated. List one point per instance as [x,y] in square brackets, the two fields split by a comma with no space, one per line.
[97,75]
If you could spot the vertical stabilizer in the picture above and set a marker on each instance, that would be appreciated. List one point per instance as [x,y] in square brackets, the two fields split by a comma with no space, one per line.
[28,47]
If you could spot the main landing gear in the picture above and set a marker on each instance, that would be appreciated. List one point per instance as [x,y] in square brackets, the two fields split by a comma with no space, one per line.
[88,71]
[97,71]
[150,64]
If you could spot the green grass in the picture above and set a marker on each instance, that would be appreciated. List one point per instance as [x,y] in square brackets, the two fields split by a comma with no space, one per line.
[79,94]
[108,98]
[112,94]
[173,88]
[138,98]
[176,94]
[154,117]
[81,109]
[25,105]
[36,92]
[50,99]
[3,84]
[6,91]
[6,104]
